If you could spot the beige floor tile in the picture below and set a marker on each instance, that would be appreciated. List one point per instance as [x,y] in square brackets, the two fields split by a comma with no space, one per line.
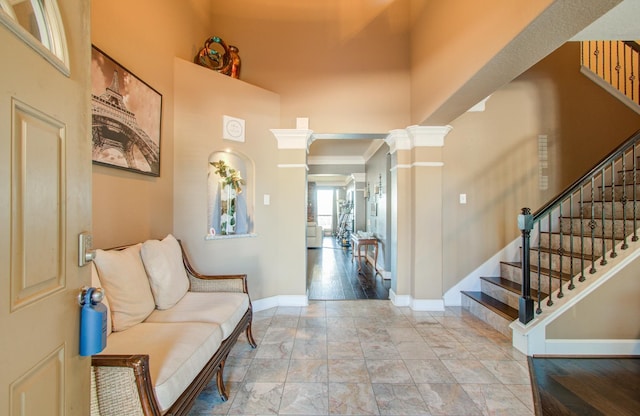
[371,358]
[448,399]
[348,371]
[310,371]
[305,399]
[352,399]
[388,371]
[470,371]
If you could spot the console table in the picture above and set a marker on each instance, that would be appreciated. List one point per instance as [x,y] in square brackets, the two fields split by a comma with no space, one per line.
[357,242]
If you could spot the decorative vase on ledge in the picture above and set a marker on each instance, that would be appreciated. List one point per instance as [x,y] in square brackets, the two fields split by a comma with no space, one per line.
[227,209]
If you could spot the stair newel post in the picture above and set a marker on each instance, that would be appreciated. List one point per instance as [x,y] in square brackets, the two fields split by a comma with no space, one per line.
[525,224]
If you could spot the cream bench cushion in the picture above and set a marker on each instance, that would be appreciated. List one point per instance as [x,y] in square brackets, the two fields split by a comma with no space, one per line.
[177,353]
[222,308]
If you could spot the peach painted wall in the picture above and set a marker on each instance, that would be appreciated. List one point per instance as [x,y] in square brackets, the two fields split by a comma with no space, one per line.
[610,312]
[144,36]
[347,68]
[451,40]
[492,156]
[274,257]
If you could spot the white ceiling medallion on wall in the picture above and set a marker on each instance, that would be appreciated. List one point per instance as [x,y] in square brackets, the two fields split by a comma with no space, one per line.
[233,128]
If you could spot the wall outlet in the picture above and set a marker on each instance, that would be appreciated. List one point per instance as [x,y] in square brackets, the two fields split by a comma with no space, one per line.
[463,198]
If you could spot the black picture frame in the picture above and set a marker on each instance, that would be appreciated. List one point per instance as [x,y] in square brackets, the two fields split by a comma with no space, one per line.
[126,115]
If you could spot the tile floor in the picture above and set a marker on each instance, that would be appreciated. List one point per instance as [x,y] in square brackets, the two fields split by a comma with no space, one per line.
[368,357]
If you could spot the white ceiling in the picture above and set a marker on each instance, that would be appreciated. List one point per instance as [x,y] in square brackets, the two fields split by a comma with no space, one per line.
[620,23]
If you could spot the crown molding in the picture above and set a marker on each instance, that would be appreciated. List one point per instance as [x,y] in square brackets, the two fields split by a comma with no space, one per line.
[359,177]
[292,138]
[417,136]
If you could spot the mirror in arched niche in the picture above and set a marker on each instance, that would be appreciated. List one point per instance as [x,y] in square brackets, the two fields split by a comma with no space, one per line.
[230,208]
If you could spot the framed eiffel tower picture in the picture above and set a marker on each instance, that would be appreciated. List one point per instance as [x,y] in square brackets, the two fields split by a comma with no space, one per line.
[126,115]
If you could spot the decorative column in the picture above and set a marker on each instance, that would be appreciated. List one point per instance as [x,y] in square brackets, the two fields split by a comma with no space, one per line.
[290,208]
[417,216]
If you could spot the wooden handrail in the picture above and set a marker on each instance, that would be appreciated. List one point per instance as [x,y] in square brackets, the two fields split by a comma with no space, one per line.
[633,45]
[599,166]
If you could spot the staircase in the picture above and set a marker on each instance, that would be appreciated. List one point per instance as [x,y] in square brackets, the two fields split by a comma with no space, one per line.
[575,233]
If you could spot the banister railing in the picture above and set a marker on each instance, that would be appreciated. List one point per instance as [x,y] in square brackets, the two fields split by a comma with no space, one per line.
[579,228]
[616,62]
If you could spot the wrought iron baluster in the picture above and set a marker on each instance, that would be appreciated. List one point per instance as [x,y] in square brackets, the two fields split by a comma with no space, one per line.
[610,62]
[635,199]
[632,77]
[539,308]
[624,68]
[571,255]
[549,300]
[560,251]
[592,225]
[603,259]
[582,278]
[613,217]
[618,65]
[623,201]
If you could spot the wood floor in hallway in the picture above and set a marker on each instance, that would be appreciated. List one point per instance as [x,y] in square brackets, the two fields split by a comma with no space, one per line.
[333,275]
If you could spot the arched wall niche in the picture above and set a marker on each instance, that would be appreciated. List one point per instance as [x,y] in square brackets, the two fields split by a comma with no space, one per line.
[218,196]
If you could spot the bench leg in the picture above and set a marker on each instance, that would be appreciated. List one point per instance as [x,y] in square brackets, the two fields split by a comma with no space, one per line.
[220,382]
[252,341]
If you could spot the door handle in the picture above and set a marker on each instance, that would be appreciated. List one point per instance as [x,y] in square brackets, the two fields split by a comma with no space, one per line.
[85,249]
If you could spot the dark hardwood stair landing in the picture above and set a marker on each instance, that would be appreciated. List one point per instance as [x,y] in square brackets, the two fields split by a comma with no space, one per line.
[577,386]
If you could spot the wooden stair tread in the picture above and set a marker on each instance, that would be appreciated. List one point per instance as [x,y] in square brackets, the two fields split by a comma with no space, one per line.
[504,310]
[511,286]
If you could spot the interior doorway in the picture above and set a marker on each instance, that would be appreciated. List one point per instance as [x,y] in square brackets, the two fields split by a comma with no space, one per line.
[348,184]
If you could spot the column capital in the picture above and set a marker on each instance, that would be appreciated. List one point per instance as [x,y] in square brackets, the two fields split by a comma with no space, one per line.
[292,138]
[359,177]
[417,136]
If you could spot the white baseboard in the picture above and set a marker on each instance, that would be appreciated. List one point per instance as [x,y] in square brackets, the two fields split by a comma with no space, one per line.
[281,300]
[416,304]
[592,347]
[491,267]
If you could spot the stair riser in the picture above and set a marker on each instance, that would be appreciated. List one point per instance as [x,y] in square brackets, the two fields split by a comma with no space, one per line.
[514,274]
[567,262]
[628,176]
[617,210]
[488,316]
[503,295]
[619,191]
[577,243]
[618,226]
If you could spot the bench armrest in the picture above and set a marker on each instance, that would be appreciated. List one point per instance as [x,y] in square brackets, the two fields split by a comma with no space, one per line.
[213,283]
[123,385]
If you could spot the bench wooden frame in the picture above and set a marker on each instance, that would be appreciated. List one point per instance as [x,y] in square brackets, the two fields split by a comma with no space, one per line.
[136,375]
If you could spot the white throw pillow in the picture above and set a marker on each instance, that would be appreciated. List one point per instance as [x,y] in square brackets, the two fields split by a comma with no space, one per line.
[126,285]
[167,276]
[95,282]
